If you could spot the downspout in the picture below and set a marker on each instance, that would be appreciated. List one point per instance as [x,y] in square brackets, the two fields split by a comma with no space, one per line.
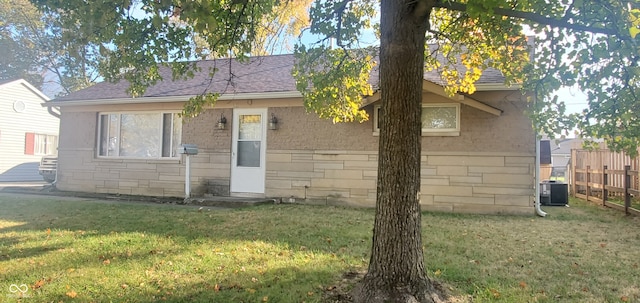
[532,46]
[55,179]
[57,115]
[50,110]
[537,202]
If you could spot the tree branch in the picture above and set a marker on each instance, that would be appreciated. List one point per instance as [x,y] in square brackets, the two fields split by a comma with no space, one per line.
[558,23]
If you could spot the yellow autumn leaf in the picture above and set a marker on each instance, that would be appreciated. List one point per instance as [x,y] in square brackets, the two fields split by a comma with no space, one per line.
[38,284]
[72,294]
[495,293]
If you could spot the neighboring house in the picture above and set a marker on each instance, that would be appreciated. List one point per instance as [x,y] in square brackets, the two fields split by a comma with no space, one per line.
[478,151]
[27,131]
[546,168]
[561,155]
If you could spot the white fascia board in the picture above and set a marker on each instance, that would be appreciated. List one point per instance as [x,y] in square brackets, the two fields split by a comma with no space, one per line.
[169,99]
[439,90]
[29,87]
[485,87]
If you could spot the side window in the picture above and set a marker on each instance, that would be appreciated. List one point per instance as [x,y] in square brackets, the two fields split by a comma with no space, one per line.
[40,144]
[437,119]
[441,118]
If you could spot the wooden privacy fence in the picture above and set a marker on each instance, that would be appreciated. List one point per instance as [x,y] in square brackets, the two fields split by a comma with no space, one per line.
[602,175]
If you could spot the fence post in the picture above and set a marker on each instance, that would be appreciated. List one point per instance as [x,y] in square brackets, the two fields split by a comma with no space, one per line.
[627,185]
[574,158]
[605,183]
[588,181]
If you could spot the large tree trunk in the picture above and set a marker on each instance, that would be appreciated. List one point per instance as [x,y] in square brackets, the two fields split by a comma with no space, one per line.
[396,269]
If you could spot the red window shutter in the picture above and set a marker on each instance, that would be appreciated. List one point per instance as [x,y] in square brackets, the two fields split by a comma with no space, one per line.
[29,143]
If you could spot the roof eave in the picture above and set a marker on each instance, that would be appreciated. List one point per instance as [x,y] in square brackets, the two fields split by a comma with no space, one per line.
[485,87]
[30,87]
[169,99]
[437,89]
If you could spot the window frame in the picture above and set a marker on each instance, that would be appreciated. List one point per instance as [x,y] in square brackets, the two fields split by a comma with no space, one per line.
[40,144]
[49,144]
[160,124]
[433,132]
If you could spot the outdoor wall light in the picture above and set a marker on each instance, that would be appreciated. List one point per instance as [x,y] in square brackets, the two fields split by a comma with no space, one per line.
[222,122]
[273,122]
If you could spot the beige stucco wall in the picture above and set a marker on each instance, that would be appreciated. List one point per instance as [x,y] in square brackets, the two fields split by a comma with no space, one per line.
[489,168]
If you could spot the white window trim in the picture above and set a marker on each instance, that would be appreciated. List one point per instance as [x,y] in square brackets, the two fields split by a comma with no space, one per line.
[51,151]
[426,132]
[117,151]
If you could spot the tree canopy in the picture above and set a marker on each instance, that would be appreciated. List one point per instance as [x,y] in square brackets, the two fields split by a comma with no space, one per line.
[20,54]
[591,44]
[36,47]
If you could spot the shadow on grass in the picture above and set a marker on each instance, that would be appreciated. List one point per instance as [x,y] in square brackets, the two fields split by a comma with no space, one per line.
[277,223]
[121,251]
[145,253]
[282,285]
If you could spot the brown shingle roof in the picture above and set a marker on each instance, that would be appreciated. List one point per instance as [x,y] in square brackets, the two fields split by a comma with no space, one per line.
[262,74]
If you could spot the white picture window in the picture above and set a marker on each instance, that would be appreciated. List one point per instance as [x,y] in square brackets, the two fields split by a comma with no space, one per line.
[440,119]
[139,135]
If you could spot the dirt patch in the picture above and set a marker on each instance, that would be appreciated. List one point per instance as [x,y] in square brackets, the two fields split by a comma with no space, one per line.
[340,292]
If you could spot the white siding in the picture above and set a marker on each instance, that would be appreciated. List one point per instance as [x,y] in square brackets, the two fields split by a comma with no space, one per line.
[14,164]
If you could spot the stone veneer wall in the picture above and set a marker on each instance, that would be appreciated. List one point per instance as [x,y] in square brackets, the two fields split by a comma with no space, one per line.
[81,170]
[454,182]
[489,168]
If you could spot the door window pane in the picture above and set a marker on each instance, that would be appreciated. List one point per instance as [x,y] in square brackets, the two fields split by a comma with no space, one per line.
[250,127]
[249,153]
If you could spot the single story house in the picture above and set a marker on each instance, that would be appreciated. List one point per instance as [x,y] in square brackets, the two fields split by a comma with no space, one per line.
[27,131]
[478,151]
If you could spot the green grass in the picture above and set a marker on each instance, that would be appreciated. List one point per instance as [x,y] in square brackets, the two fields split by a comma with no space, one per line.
[88,251]
[635,202]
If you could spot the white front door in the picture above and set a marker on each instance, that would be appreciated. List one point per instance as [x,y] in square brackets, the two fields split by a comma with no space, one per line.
[248,150]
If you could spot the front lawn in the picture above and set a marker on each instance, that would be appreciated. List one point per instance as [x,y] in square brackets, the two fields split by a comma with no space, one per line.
[54,250]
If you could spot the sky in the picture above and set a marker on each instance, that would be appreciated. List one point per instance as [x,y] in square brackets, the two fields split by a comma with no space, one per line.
[575,99]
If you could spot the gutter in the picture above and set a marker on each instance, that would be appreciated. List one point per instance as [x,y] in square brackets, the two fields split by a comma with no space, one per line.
[487,87]
[168,99]
[57,115]
[537,202]
[51,112]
